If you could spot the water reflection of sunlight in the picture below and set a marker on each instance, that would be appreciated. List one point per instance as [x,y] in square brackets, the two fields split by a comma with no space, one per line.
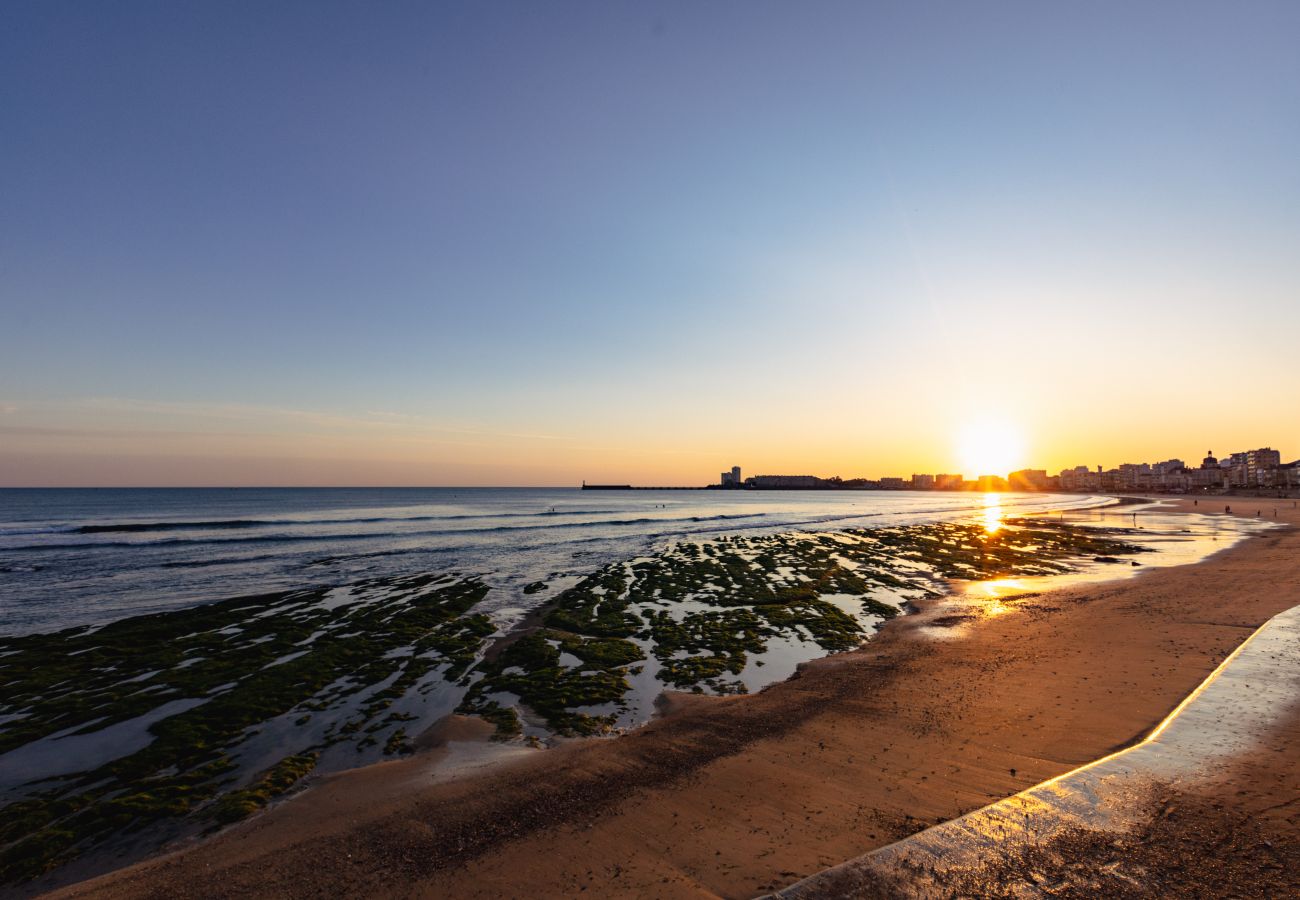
[1000,587]
[992,513]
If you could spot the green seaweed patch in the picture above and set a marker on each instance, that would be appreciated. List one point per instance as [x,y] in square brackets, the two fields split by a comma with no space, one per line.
[398,744]
[833,629]
[503,718]
[753,589]
[596,606]
[240,804]
[531,669]
[704,645]
[252,659]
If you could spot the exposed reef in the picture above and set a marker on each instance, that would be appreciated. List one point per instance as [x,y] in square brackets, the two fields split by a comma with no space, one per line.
[230,669]
[699,613]
[165,724]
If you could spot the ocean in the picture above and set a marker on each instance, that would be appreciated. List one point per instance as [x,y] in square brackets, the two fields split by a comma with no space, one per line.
[75,557]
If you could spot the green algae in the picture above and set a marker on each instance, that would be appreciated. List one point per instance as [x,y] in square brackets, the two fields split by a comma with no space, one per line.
[250,660]
[596,606]
[532,669]
[337,662]
[718,639]
[704,610]
[503,718]
[398,744]
[237,805]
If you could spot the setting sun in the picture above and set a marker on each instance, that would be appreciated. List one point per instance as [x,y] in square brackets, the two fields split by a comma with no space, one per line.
[990,447]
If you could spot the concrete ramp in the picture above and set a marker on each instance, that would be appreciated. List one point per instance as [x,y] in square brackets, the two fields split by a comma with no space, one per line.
[1233,710]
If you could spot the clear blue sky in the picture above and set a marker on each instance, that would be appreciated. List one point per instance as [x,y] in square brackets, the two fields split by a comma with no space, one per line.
[528,242]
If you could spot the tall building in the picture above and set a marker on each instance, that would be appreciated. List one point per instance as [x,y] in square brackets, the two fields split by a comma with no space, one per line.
[1080,478]
[1262,466]
[735,475]
[1028,480]
[923,482]
[947,482]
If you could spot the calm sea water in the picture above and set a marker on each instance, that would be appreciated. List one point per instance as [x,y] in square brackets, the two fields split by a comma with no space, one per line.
[71,557]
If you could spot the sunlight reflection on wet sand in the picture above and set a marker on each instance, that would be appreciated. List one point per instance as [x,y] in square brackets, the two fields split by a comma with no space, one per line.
[1178,538]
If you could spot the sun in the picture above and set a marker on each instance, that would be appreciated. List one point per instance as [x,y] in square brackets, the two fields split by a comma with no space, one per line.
[990,447]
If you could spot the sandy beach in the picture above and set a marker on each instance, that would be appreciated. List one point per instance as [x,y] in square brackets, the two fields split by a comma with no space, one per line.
[732,797]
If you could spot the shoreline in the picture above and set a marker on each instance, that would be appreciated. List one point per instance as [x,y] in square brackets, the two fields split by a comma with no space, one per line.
[791,596]
[1243,707]
[565,814]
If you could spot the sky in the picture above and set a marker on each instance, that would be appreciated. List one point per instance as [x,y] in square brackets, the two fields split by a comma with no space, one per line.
[493,243]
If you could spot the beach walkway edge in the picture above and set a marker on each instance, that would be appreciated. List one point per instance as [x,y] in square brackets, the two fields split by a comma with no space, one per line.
[1233,710]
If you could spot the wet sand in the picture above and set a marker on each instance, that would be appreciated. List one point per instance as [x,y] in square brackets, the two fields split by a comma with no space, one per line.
[1050,836]
[736,796]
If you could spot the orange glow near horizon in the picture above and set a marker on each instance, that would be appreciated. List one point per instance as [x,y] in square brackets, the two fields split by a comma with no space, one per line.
[124,442]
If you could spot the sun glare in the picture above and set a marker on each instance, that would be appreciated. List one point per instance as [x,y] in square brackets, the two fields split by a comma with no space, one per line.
[989,447]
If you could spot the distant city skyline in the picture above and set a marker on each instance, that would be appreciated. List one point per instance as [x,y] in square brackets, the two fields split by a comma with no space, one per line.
[1261,467]
[522,244]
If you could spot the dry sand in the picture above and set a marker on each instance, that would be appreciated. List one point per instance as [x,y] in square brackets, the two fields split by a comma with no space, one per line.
[735,796]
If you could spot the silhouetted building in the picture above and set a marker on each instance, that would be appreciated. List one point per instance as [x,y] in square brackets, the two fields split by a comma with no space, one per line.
[786,482]
[1028,480]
